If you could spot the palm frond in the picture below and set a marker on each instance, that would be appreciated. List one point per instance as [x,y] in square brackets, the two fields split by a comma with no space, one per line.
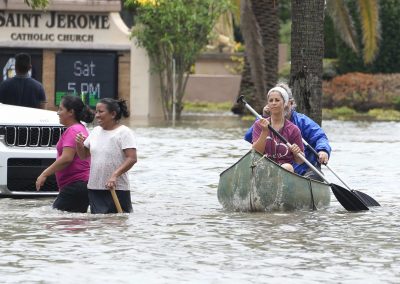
[343,22]
[369,12]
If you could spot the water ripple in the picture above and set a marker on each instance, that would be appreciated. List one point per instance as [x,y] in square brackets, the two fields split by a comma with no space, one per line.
[179,232]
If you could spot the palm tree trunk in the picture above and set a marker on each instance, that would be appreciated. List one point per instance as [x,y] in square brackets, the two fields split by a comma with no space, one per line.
[260,70]
[266,12]
[247,88]
[307,52]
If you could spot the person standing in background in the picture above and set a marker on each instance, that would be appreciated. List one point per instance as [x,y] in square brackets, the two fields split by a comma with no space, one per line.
[111,147]
[22,90]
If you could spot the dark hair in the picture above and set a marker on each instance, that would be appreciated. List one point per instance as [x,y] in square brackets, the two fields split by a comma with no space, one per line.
[119,106]
[82,112]
[22,63]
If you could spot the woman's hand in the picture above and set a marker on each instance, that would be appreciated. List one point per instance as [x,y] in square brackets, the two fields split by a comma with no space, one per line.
[323,157]
[266,111]
[295,149]
[112,182]
[40,182]
[263,124]
[79,139]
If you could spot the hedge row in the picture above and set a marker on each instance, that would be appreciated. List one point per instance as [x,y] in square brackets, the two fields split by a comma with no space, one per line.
[362,92]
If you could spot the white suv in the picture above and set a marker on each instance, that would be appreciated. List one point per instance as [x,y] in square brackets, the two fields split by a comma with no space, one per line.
[28,138]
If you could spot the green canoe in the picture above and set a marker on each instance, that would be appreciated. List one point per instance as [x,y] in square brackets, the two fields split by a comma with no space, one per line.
[256,183]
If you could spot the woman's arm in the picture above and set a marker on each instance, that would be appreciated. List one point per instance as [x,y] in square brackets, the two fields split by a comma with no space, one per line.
[81,150]
[297,145]
[259,144]
[61,163]
[130,160]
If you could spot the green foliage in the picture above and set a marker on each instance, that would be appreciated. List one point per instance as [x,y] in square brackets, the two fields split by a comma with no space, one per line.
[388,56]
[285,27]
[131,4]
[180,28]
[175,30]
[362,91]
[329,39]
[284,7]
[284,73]
[285,30]
[37,3]
[397,103]
[329,68]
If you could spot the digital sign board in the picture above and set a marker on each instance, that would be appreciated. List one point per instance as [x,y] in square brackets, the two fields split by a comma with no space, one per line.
[92,76]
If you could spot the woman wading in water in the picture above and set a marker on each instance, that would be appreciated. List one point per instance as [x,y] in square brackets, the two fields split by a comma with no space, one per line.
[112,149]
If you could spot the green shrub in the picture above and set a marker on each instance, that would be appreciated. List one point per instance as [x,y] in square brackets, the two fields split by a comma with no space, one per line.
[284,73]
[361,91]
[396,102]
[329,68]
[285,35]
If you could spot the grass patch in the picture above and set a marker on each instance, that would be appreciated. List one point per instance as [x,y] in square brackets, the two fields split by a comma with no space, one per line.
[207,107]
[385,114]
[346,113]
[341,113]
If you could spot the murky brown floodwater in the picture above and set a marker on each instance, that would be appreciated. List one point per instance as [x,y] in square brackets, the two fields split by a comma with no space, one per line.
[179,233]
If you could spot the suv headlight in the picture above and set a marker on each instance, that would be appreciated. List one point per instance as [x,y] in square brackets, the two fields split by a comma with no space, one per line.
[2,132]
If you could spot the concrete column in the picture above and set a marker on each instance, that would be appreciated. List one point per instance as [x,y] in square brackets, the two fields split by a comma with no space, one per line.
[145,102]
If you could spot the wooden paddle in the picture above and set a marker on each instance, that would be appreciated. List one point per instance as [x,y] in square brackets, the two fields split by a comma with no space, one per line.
[116,201]
[349,200]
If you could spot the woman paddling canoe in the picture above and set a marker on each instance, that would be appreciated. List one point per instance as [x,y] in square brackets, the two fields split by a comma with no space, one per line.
[311,132]
[265,142]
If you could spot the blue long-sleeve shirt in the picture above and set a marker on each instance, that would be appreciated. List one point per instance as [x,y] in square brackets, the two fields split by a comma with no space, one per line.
[311,132]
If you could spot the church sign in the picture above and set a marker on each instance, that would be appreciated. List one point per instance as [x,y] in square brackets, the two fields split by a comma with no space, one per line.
[63,30]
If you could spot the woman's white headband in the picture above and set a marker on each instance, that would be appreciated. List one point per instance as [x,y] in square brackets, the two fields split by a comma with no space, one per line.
[282,91]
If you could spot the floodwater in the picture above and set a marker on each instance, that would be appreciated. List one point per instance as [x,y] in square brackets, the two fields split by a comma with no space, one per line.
[179,233]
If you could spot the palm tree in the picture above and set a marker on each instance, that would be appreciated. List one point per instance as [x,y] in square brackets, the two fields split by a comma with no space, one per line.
[307,52]
[343,23]
[260,29]
[307,45]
